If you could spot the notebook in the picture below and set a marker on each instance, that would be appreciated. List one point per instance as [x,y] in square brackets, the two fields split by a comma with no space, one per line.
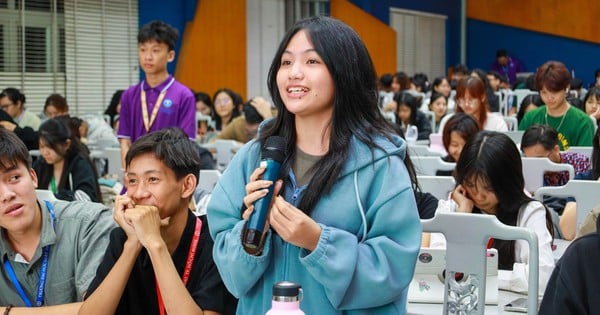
[427,285]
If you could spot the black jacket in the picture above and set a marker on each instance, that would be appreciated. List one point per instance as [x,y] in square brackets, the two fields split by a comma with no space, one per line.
[78,174]
[574,287]
[27,134]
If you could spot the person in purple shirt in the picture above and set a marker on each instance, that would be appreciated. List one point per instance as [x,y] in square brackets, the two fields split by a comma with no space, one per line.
[159,101]
[507,66]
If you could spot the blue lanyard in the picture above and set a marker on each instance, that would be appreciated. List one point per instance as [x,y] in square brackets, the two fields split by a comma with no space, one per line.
[39,301]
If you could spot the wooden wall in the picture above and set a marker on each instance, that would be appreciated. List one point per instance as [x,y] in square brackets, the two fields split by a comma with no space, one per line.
[576,19]
[213,50]
[379,38]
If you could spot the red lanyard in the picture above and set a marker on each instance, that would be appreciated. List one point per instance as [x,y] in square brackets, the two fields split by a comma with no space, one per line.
[188,265]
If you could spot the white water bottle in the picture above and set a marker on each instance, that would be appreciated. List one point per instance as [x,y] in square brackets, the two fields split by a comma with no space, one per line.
[286,299]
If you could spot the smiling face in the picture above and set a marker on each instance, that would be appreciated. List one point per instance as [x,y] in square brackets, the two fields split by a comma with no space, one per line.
[19,210]
[305,84]
[439,107]
[151,183]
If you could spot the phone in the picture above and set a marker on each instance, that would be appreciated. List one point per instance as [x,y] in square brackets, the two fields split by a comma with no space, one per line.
[518,305]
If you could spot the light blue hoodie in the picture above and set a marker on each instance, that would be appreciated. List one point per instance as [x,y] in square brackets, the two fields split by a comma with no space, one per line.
[347,273]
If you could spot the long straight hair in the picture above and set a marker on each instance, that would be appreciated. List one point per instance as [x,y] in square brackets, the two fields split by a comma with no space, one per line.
[55,132]
[476,89]
[355,110]
[491,157]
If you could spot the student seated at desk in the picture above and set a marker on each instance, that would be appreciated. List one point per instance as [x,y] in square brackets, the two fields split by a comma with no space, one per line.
[490,181]
[543,141]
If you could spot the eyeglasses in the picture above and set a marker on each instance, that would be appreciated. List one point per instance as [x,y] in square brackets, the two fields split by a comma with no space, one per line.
[223,101]
[470,102]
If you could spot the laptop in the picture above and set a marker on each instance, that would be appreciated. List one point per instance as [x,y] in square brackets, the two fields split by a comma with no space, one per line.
[427,285]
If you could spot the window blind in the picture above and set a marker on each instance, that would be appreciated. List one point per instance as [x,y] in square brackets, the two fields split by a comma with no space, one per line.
[101,51]
[420,42]
[82,49]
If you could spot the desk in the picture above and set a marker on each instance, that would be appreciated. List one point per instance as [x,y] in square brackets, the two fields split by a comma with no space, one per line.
[504,297]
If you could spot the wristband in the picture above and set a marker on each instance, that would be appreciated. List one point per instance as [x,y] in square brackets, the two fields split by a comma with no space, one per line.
[7,309]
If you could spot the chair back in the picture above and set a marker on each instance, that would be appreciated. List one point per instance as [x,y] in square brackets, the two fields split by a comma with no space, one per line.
[45,194]
[466,250]
[521,94]
[439,186]
[535,167]
[515,136]
[113,155]
[585,192]
[429,165]
[512,123]
[431,117]
[422,150]
[208,179]
[226,149]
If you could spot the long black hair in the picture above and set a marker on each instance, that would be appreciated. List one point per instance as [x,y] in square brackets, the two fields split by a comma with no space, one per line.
[55,132]
[355,110]
[493,158]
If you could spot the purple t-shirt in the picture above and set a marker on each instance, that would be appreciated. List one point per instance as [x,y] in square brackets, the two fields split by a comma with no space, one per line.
[510,70]
[178,109]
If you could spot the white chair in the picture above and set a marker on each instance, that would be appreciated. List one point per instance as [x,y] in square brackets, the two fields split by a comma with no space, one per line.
[501,103]
[511,122]
[422,150]
[515,136]
[535,167]
[585,192]
[521,94]
[44,194]
[113,155]
[208,179]
[431,117]
[429,165]
[466,250]
[225,150]
[439,186]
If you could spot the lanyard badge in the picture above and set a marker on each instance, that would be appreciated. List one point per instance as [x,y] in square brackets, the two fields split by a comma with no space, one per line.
[39,300]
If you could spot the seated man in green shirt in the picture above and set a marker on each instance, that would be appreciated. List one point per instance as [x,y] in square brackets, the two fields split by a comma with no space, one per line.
[50,249]
[575,128]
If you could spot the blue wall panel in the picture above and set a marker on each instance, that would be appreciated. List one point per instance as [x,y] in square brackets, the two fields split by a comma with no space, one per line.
[532,48]
[177,13]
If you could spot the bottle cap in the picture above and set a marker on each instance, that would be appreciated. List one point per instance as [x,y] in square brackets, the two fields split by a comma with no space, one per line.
[286,289]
